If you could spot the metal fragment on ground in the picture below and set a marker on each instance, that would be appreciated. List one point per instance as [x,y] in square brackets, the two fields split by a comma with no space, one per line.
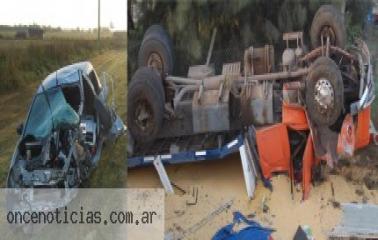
[358,221]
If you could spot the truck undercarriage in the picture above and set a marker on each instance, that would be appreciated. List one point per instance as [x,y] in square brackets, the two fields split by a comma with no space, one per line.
[316,107]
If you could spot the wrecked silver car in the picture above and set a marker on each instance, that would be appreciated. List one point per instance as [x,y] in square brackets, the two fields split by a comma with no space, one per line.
[63,134]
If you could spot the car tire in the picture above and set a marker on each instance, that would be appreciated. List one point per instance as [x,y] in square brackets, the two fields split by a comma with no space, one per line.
[328,19]
[156,50]
[145,97]
[324,74]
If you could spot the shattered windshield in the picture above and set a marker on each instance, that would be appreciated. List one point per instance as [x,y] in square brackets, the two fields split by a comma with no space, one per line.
[50,111]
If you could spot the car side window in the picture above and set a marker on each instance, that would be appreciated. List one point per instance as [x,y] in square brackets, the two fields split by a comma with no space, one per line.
[94,80]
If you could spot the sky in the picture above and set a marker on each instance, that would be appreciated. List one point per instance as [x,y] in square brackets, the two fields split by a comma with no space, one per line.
[64,13]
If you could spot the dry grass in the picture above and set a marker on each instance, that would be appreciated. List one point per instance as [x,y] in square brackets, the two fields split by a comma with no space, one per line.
[24,61]
[76,35]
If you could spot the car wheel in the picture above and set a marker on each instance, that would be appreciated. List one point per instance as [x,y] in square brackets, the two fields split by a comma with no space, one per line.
[324,92]
[328,22]
[156,50]
[145,105]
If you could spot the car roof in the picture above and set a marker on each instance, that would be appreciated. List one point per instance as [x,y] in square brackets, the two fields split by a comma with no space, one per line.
[65,75]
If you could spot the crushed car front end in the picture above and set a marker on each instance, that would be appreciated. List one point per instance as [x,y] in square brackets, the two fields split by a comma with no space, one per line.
[67,124]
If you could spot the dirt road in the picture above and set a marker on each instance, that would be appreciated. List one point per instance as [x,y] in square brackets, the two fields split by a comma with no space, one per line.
[111,171]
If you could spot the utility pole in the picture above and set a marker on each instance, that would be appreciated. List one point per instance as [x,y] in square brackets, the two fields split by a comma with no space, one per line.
[99,22]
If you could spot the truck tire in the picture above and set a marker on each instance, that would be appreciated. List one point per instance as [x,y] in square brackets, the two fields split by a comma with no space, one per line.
[328,21]
[324,92]
[145,105]
[156,50]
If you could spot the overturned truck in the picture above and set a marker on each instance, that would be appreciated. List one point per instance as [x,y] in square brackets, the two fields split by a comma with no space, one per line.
[312,108]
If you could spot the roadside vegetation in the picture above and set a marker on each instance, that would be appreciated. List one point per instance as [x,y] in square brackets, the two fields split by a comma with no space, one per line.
[25,61]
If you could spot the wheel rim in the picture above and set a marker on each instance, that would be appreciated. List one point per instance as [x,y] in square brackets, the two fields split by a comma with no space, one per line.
[326,32]
[144,116]
[324,95]
[155,61]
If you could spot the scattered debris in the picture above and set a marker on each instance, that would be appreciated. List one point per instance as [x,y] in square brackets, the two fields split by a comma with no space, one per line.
[253,230]
[194,197]
[266,219]
[335,204]
[178,188]
[359,221]
[359,192]
[264,205]
[304,233]
[179,213]
[333,190]
[180,233]
[265,208]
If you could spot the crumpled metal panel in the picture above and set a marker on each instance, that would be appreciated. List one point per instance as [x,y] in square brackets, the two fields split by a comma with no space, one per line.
[274,149]
[359,221]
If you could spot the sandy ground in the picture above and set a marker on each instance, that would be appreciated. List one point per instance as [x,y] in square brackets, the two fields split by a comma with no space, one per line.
[221,181]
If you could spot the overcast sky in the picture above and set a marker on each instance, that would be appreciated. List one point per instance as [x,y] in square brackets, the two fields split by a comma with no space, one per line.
[63,13]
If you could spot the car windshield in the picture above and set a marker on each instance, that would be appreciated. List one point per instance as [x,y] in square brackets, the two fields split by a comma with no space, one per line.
[50,111]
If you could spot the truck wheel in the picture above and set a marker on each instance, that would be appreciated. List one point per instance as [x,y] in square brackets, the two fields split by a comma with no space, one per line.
[328,22]
[145,105]
[156,50]
[324,92]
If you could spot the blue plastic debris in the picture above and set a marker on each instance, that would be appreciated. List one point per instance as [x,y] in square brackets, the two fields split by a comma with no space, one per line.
[253,230]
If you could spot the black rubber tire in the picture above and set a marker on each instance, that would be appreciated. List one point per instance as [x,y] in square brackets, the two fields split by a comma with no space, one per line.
[146,85]
[324,67]
[328,15]
[157,40]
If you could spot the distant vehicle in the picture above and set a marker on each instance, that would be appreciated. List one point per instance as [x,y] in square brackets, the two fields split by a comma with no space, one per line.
[62,137]
[30,33]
